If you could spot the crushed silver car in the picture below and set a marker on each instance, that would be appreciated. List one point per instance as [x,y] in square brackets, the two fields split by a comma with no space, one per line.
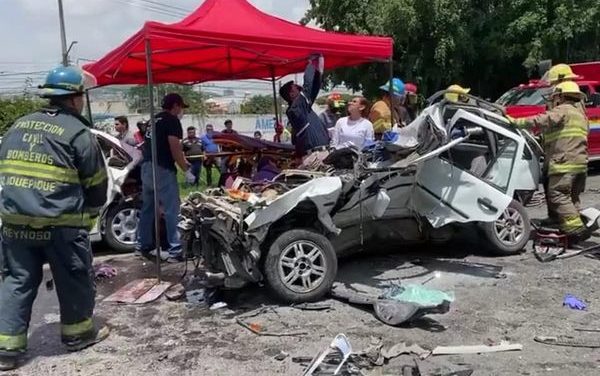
[457,164]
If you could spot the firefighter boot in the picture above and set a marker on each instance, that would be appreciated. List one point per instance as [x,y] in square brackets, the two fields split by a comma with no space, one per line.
[578,236]
[8,362]
[78,343]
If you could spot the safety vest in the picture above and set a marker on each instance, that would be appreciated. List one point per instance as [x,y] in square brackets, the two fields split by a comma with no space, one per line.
[564,130]
[52,172]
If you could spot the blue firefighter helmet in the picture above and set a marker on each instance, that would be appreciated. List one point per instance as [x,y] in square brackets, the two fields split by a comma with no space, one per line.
[397,87]
[66,81]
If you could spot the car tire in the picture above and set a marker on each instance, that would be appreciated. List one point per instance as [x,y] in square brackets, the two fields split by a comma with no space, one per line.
[120,227]
[509,234]
[300,266]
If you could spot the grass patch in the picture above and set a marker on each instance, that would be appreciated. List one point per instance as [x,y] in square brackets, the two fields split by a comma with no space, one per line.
[185,189]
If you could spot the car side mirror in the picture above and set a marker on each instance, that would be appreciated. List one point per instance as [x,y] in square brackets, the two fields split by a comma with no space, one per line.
[595,100]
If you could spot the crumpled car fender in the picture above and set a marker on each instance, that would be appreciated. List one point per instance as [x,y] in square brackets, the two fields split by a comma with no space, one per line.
[323,192]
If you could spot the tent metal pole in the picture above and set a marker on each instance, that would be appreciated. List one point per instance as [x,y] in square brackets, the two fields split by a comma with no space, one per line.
[391,90]
[275,105]
[89,107]
[154,160]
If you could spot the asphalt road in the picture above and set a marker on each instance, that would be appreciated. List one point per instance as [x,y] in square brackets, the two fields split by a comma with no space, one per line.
[496,299]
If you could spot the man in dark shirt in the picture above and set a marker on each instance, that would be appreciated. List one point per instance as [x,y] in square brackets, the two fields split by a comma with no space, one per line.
[225,160]
[192,146]
[309,134]
[229,127]
[168,153]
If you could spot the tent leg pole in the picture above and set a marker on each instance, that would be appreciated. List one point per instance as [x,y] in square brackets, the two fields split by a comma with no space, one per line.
[391,91]
[275,105]
[89,107]
[154,160]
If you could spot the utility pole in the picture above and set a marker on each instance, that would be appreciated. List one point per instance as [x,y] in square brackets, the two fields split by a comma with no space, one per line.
[63,36]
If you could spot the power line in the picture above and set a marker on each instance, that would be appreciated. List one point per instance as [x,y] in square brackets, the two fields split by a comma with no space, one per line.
[174,7]
[12,74]
[163,11]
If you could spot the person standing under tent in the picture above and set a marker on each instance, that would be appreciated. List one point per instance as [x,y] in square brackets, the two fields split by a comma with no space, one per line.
[309,135]
[169,153]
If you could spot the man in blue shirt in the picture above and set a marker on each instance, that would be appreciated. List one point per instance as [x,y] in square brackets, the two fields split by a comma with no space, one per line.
[209,146]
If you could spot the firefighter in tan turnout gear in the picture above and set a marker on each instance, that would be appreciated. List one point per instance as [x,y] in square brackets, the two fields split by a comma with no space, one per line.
[564,130]
[54,184]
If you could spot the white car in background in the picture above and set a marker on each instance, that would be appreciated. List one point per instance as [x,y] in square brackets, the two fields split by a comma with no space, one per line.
[118,220]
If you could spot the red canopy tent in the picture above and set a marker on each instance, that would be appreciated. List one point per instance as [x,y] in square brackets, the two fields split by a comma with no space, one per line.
[226,40]
[230,40]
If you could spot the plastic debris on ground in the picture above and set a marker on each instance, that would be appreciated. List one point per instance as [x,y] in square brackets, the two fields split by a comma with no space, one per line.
[573,302]
[392,311]
[218,305]
[417,294]
[339,358]
[104,271]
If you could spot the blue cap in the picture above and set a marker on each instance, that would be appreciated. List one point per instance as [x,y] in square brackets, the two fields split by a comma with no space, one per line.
[397,87]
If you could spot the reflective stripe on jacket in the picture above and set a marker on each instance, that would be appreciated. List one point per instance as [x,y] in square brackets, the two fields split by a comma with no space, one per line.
[565,130]
[51,171]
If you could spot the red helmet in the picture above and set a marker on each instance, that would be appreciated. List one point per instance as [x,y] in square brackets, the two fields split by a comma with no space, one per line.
[410,88]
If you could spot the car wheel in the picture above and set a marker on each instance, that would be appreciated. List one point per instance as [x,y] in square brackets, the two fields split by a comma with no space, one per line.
[121,224]
[300,266]
[509,234]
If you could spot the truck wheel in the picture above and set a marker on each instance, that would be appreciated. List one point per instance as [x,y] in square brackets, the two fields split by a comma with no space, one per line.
[300,266]
[121,224]
[509,234]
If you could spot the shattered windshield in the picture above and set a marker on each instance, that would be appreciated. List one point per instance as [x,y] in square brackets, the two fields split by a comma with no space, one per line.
[530,96]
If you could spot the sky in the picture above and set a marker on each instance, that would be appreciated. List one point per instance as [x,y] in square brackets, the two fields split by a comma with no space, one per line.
[31,35]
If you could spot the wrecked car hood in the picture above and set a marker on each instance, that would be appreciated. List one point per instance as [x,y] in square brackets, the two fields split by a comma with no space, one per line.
[323,192]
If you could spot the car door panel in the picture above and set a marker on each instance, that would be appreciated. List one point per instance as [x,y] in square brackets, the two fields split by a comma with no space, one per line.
[446,193]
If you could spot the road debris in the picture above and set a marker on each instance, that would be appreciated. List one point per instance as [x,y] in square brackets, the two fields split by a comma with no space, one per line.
[259,329]
[587,330]
[591,343]
[217,306]
[394,311]
[201,297]
[139,291]
[573,302]
[401,348]
[411,371]
[313,306]
[341,345]
[418,294]
[104,271]
[338,357]
[464,372]
[477,349]
[175,292]
[281,356]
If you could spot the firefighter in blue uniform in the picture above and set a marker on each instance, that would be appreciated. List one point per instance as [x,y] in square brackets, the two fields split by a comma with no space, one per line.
[54,184]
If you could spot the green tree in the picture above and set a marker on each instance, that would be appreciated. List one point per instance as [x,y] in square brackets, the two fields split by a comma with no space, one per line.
[137,97]
[489,45]
[13,108]
[259,104]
